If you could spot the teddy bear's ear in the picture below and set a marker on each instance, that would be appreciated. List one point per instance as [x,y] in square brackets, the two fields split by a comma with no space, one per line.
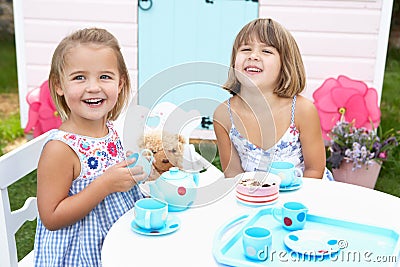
[140,141]
[143,140]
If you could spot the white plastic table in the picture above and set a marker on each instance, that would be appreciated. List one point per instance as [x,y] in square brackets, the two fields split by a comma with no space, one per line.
[192,243]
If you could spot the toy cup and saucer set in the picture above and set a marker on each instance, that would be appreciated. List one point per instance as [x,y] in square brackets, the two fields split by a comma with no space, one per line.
[152,218]
[173,191]
[290,176]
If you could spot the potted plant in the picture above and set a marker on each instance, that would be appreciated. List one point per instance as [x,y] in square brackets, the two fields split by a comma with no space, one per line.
[356,154]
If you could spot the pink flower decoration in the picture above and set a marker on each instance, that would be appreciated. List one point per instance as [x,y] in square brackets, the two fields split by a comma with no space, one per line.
[344,98]
[112,149]
[42,115]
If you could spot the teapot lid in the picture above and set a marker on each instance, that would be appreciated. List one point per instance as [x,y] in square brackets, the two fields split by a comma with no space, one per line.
[174,174]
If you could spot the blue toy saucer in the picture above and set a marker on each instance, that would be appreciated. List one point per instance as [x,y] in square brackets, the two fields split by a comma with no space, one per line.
[292,187]
[173,223]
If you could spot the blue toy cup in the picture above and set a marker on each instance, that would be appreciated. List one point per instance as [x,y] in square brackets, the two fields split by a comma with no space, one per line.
[142,160]
[257,242]
[292,215]
[150,213]
[288,173]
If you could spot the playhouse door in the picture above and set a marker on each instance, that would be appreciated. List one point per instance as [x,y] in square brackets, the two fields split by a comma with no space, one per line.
[185,48]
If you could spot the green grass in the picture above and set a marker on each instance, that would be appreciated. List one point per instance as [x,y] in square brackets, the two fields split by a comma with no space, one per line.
[8,68]
[10,129]
[389,180]
[18,193]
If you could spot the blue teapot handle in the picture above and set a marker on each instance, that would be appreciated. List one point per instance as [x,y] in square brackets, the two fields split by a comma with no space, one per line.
[196,178]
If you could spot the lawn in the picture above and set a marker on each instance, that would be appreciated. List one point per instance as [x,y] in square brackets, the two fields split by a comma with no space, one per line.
[10,129]
[8,67]
[388,181]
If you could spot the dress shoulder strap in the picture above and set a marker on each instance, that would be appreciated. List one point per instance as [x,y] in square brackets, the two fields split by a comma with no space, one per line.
[293,109]
[230,111]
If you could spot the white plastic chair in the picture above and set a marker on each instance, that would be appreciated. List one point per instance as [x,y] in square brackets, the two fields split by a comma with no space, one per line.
[14,166]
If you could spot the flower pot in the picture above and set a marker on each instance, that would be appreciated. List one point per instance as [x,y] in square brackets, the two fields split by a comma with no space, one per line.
[365,176]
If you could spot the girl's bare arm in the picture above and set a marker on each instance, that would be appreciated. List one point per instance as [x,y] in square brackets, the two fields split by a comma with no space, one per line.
[58,167]
[229,157]
[307,120]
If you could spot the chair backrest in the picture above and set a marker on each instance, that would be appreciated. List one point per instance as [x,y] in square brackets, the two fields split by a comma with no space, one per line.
[14,166]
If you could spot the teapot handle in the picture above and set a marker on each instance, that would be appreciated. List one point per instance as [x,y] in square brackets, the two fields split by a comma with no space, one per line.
[196,178]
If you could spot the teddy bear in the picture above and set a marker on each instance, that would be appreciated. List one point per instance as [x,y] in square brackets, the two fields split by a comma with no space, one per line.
[166,147]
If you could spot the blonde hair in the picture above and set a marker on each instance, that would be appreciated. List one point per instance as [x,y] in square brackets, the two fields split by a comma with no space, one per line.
[292,79]
[96,36]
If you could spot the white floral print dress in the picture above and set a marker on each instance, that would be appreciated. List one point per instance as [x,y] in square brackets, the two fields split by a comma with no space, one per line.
[288,148]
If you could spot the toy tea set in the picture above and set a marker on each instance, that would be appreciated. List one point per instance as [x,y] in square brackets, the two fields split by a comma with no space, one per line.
[177,190]
[268,236]
[275,236]
[278,235]
[173,191]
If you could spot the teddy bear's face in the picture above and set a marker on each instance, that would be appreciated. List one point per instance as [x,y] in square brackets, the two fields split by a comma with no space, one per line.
[167,158]
[167,149]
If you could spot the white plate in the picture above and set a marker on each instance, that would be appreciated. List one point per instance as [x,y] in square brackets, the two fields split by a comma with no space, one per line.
[173,223]
[312,242]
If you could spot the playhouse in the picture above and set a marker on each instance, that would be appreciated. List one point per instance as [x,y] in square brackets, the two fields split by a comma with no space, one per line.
[341,37]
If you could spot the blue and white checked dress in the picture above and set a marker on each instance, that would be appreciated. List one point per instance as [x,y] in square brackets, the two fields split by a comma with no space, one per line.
[288,148]
[80,244]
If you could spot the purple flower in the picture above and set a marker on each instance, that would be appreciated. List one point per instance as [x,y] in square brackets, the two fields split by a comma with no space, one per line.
[391,141]
[359,145]
[376,146]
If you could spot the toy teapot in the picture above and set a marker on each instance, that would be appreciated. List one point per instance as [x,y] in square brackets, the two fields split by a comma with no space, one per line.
[177,188]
